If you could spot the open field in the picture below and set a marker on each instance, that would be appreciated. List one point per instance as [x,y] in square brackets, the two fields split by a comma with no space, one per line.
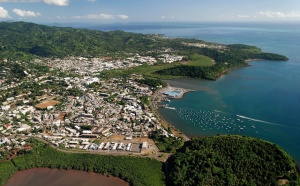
[149,70]
[200,60]
[45,104]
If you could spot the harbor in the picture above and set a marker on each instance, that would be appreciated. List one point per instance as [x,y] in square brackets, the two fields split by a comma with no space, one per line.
[168,93]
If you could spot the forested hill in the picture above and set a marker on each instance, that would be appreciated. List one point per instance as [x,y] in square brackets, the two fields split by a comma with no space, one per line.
[29,38]
[47,41]
[21,41]
[231,160]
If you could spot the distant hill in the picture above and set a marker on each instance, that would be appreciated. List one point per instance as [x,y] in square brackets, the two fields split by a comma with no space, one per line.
[21,41]
[231,160]
[46,41]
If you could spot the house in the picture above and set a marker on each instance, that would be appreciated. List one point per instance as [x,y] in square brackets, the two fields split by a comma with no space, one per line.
[5,108]
[10,99]
[145,145]
[4,140]
[86,132]
[23,127]
[8,126]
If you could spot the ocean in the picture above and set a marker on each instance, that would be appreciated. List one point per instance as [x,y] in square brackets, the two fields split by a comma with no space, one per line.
[262,100]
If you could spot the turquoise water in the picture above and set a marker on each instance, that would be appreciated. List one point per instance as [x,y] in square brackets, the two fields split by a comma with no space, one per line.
[261,101]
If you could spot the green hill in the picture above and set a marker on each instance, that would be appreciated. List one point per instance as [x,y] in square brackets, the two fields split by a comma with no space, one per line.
[231,160]
[46,41]
[25,41]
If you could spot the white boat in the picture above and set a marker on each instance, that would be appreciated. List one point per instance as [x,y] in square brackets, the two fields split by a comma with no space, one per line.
[172,108]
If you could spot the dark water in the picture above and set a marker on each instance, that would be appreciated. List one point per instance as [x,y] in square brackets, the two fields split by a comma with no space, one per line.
[55,177]
[261,101]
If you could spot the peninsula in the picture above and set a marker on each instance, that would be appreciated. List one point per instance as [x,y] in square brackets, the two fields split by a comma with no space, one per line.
[92,96]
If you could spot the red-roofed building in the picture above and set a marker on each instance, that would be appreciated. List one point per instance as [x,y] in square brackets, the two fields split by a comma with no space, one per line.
[8,126]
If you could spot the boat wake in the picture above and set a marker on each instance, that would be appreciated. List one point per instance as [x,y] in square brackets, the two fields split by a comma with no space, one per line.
[261,121]
[252,119]
[220,111]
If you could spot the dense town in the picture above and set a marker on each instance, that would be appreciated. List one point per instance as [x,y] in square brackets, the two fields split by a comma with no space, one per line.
[107,115]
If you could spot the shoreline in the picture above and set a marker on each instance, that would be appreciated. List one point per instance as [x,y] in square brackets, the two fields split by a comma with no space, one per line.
[237,67]
[172,89]
[254,59]
[159,97]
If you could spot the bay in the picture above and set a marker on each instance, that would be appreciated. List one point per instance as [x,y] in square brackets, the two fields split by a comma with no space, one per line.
[261,101]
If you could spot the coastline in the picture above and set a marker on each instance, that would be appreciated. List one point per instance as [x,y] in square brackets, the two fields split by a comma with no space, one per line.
[159,97]
[237,67]
[170,88]
[254,59]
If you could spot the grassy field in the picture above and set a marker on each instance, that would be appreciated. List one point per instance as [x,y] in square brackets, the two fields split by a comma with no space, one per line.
[149,70]
[254,50]
[200,60]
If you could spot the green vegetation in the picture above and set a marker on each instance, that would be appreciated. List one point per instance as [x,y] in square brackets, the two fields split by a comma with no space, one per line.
[199,60]
[146,70]
[7,170]
[219,160]
[231,160]
[200,64]
[24,41]
[136,171]
[145,100]
[20,40]
[166,144]
[11,71]
[209,72]
[152,82]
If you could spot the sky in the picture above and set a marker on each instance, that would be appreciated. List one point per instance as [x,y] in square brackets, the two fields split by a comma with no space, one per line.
[106,11]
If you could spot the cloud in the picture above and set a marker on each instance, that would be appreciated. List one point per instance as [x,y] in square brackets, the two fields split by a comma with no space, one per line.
[50,2]
[3,13]
[243,16]
[19,1]
[92,1]
[101,16]
[123,16]
[57,2]
[95,16]
[24,13]
[271,14]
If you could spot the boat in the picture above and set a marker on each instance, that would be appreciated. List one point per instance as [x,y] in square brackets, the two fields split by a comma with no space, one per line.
[167,100]
[172,108]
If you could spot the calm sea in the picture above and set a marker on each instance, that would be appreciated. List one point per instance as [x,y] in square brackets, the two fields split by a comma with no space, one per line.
[261,101]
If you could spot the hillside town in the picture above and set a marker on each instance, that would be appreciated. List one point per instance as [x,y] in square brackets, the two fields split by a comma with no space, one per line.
[93,66]
[110,115]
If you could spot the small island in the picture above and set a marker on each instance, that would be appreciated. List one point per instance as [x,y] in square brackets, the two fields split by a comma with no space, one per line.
[87,100]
